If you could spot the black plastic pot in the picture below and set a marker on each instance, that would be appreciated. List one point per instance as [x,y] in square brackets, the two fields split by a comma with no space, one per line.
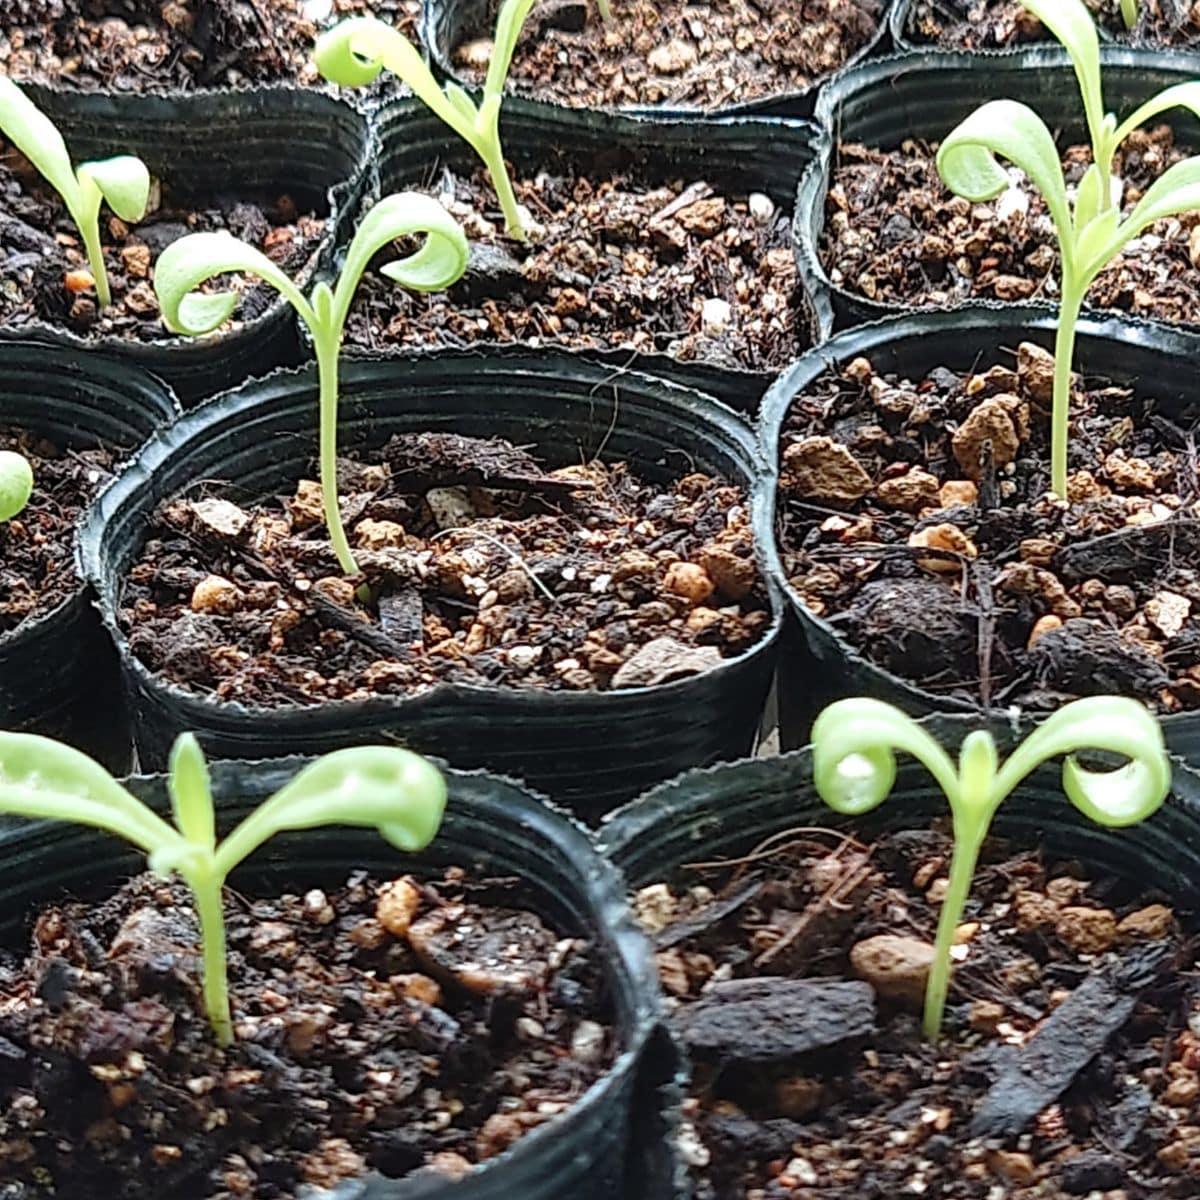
[818,665]
[925,94]
[448,23]
[492,828]
[741,154]
[588,750]
[238,144]
[898,24]
[58,672]
[727,811]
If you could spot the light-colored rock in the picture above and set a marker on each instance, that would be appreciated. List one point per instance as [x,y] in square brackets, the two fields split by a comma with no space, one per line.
[822,469]
[910,492]
[897,967]
[988,420]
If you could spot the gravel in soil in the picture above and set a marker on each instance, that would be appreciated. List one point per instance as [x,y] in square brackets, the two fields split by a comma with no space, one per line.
[37,547]
[895,234]
[482,568]
[145,45]
[915,516]
[1006,24]
[44,271]
[675,267]
[675,52]
[795,981]
[408,1028]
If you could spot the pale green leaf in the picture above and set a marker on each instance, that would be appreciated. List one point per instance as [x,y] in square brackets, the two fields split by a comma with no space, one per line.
[1129,13]
[509,22]
[459,98]
[1072,24]
[1091,244]
[1182,95]
[967,162]
[1091,196]
[40,777]
[854,745]
[193,260]
[394,791]
[191,792]
[124,181]
[1110,723]
[16,484]
[35,135]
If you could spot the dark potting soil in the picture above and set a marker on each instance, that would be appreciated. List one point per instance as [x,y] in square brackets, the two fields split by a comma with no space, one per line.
[1068,1063]
[1022,600]
[896,234]
[675,52]
[44,273]
[37,548]
[678,268]
[484,569]
[139,45]
[1001,24]
[408,1028]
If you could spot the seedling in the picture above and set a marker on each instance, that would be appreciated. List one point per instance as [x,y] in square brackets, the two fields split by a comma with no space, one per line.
[854,770]
[394,791]
[193,260]
[353,53]
[1129,13]
[16,484]
[123,181]
[605,8]
[1090,230]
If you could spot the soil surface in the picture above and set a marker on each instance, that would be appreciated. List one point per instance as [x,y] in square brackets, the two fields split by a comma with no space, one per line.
[674,52]
[408,1028]
[896,235]
[678,268]
[914,515]
[37,547]
[1068,1065]
[145,45]
[44,272]
[1003,24]
[482,569]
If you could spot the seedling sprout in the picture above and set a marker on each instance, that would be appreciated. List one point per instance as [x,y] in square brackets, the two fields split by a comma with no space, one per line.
[854,769]
[1129,13]
[123,181]
[16,484]
[355,51]
[381,787]
[1089,226]
[187,264]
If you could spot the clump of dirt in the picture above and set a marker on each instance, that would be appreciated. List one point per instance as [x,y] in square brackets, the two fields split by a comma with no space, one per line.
[675,52]
[795,981]
[37,547]
[1006,24]
[482,568]
[146,45]
[916,517]
[44,266]
[679,267]
[897,235]
[405,1028]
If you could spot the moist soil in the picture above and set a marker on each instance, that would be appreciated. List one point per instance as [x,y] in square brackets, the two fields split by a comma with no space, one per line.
[680,268]
[149,45]
[1004,24]
[481,568]
[895,234]
[675,53]
[1067,1067]
[409,1029]
[1024,599]
[37,547]
[44,272]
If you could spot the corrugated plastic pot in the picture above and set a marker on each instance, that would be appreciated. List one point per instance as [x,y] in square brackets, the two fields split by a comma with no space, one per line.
[493,828]
[727,811]
[264,437]
[925,94]
[447,24]
[742,154]
[818,665]
[238,144]
[58,671]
